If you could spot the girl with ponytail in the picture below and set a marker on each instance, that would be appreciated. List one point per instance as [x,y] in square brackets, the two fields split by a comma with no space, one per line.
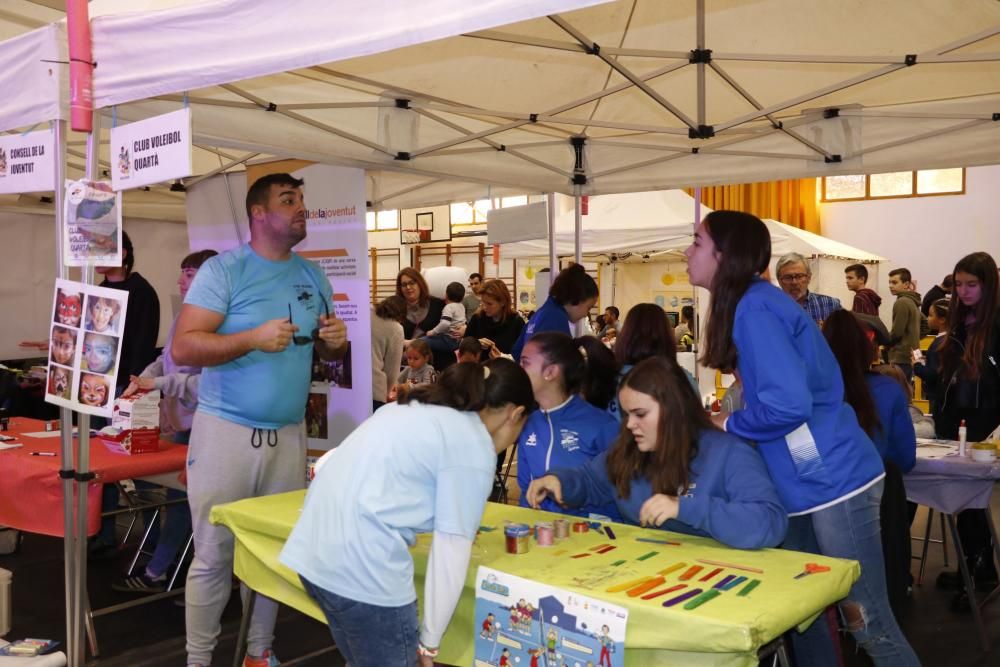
[423,465]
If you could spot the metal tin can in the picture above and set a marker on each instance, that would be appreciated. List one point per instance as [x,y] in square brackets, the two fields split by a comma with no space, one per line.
[561,528]
[581,527]
[517,538]
[544,534]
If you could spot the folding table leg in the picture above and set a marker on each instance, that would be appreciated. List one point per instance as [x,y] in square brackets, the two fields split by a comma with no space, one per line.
[88,617]
[142,543]
[241,638]
[180,562]
[927,541]
[944,542]
[967,578]
[996,553]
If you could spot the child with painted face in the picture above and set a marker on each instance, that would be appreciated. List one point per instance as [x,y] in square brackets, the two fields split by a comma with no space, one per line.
[423,465]
[671,468]
[566,431]
[63,346]
[99,352]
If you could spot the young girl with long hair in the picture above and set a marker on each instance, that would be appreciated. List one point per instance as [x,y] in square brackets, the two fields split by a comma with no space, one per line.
[671,468]
[825,468]
[423,465]
[572,294]
[566,431]
[969,390]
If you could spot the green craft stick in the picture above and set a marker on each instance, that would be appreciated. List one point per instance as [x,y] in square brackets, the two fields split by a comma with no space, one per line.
[703,598]
[649,555]
[749,587]
[618,562]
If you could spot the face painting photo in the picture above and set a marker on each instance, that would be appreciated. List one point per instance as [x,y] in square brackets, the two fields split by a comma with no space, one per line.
[60,381]
[99,352]
[69,307]
[93,390]
[62,345]
[102,314]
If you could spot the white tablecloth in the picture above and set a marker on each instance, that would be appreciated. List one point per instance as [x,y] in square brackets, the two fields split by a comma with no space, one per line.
[947,482]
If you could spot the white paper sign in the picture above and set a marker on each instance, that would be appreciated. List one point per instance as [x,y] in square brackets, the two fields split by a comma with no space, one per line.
[27,163]
[151,151]
[85,349]
[93,226]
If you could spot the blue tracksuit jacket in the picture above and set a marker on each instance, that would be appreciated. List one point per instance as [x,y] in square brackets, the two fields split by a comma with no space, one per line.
[550,317]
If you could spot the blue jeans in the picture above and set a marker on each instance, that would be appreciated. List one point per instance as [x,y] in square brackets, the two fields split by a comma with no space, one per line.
[850,529]
[367,635]
[442,343]
[176,522]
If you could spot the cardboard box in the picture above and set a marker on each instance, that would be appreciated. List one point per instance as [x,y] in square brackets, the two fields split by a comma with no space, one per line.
[135,424]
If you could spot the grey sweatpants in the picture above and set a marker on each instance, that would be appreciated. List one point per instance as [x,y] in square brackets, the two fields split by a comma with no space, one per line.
[224,465]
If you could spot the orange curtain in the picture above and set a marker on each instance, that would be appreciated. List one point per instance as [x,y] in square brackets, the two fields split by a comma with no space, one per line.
[791,202]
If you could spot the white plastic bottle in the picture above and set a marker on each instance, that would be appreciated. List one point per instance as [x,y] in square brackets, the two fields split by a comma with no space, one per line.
[961,438]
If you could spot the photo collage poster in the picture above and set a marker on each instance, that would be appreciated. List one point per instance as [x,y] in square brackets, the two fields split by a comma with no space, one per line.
[85,336]
[93,224]
[529,624]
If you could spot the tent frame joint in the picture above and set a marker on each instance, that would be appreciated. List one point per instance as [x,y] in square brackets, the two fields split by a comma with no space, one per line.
[832,112]
[910,60]
[403,156]
[832,158]
[700,56]
[402,103]
[701,132]
[996,117]
[271,106]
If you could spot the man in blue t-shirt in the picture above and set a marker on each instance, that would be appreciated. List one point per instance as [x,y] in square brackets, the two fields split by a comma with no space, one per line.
[251,320]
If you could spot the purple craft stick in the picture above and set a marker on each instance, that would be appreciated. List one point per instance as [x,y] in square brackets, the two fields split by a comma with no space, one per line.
[611,533]
[734,583]
[725,580]
[682,597]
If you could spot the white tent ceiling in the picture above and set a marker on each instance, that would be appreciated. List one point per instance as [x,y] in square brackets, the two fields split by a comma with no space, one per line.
[790,89]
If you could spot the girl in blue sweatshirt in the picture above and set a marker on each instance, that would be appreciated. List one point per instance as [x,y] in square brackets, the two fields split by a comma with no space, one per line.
[671,468]
[572,294]
[565,431]
[827,472]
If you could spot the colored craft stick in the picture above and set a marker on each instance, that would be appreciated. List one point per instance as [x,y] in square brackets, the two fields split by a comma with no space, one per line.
[606,549]
[703,598]
[730,565]
[725,580]
[645,587]
[749,587]
[690,572]
[580,556]
[682,597]
[487,529]
[711,574]
[734,583]
[649,555]
[618,588]
[617,563]
[672,568]
[663,591]
[596,525]
[610,533]
[599,547]
[653,540]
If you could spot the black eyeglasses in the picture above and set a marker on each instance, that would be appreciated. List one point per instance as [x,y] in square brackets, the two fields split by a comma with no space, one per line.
[305,340]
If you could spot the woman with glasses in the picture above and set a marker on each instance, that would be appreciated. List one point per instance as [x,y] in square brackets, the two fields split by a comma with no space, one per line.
[826,470]
[423,311]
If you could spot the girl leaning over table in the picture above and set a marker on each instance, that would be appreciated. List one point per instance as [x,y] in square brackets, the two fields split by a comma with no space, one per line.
[671,468]
[826,470]
[423,465]
[969,390]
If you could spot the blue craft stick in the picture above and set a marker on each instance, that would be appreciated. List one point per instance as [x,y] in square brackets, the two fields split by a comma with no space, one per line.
[595,525]
[725,580]
[611,533]
[734,583]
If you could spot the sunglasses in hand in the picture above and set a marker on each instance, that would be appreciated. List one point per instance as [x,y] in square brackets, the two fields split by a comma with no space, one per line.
[305,340]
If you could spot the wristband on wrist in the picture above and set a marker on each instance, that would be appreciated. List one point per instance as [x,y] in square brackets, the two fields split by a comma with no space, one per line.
[426,651]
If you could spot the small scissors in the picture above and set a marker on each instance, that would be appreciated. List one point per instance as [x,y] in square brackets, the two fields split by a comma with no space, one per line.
[812,568]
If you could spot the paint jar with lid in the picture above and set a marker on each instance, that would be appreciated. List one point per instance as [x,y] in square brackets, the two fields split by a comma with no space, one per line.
[517,538]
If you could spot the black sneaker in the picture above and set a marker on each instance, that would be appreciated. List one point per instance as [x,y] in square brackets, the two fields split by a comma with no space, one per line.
[141,584]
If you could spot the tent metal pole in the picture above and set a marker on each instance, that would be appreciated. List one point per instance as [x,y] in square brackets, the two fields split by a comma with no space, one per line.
[553,255]
[918,137]
[700,41]
[577,224]
[65,414]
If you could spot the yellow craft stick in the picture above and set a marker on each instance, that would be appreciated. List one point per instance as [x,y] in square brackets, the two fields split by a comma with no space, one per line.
[672,568]
[645,587]
[618,588]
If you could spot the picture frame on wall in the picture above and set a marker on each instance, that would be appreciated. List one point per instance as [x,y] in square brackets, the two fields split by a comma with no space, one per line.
[425,225]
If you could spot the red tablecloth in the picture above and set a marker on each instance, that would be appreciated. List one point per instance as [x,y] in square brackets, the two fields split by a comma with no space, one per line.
[31,491]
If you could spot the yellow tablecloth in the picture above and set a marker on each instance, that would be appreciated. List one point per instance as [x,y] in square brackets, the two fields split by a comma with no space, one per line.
[726,631]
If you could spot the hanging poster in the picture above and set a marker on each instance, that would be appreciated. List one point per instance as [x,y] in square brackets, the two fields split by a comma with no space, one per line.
[93,231]
[85,337]
[26,162]
[150,151]
[529,624]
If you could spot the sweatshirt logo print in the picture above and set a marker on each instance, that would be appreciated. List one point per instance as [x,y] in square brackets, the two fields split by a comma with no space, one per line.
[570,440]
[532,440]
